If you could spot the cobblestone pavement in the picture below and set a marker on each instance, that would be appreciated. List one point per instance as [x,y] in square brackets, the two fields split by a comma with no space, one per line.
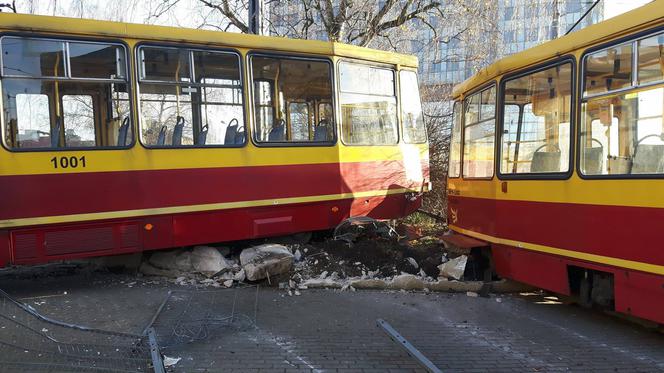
[335,331]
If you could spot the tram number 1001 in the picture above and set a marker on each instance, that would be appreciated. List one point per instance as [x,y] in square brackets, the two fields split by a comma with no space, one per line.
[68,162]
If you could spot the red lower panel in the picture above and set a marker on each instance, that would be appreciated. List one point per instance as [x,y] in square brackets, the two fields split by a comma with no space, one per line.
[41,244]
[29,196]
[640,294]
[636,293]
[540,270]
[632,233]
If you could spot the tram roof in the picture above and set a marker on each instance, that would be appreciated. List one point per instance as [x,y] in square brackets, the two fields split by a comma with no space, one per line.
[89,27]
[642,17]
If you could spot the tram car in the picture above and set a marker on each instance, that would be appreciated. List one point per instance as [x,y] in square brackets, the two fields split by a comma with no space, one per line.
[118,138]
[557,164]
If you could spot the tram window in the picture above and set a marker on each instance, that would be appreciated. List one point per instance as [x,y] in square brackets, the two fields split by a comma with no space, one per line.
[90,111]
[536,122]
[286,90]
[651,59]
[33,112]
[454,169]
[623,134]
[93,60]
[412,117]
[368,105]
[299,117]
[79,120]
[609,69]
[178,111]
[479,133]
[29,57]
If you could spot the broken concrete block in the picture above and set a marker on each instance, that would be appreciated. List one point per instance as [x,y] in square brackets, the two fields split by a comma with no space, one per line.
[208,261]
[406,282]
[453,268]
[149,270]
[455,286]
[316,283]
[173,259]
[262,261]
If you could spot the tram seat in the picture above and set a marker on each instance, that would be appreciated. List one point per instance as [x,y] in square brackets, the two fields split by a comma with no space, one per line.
[277,133]
[593,160]
[202,135]
[239,136]
[320,133]
[648,159]
[231,135]
[177,131]
[122,132]
[545,162]
[161,140]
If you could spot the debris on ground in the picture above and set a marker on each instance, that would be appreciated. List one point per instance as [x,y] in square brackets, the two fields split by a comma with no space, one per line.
[453,268]
[261,262]
[361,254]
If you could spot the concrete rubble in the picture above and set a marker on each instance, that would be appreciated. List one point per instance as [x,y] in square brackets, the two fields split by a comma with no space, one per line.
[453,268]
[260,262]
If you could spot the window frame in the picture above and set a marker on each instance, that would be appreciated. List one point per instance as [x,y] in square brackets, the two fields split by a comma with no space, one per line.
[478,90]
[633,39]
[128,81]
[190,48]
[460,175]
[395,72]
[400,103]
[250,90]
[572,118]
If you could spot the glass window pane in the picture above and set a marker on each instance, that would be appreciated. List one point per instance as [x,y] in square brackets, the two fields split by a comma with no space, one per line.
[623,134]
[32,122]
[162,106]
[412,117]
[455,143]
[472,104]
[165,64]
[368,105]
[488,104]
[74,113]
[216,68]
[79,120]
[478,149]
[536,127]
[609,69]
[651,59]
[32,57]
[357,78]
[279,82]
[92,60]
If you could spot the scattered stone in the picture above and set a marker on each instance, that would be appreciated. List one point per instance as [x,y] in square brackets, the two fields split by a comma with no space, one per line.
[453,268]
[240,276]
[323,275]
[208,261]
[228,283]
[298,255]
[499,300]
[472,294]
[296,292]
[262,261]
[170,361]
[413,262]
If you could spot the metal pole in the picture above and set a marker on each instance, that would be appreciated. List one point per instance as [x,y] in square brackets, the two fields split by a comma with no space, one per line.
[255,17]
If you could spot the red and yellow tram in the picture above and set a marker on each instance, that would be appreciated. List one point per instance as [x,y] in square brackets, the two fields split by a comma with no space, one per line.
[557,164]
[119,137]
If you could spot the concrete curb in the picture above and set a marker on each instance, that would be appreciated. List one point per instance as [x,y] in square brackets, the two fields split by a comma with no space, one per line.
[411,282]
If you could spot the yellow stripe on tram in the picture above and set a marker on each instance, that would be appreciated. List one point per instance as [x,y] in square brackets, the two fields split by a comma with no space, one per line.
[616,262]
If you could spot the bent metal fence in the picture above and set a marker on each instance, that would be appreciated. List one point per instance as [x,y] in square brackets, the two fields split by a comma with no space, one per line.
[31,342]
